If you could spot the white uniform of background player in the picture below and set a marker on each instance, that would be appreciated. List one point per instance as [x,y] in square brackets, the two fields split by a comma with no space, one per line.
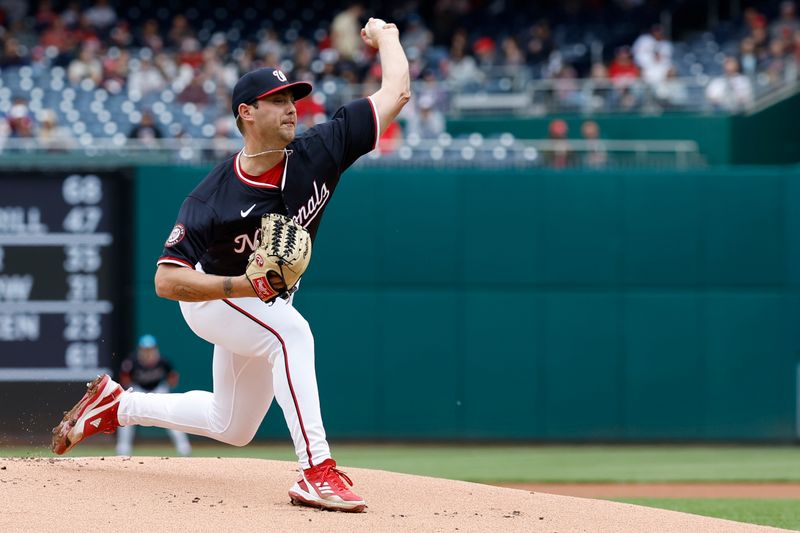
[263,351]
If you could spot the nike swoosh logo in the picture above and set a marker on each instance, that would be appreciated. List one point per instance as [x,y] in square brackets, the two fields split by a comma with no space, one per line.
[245,213]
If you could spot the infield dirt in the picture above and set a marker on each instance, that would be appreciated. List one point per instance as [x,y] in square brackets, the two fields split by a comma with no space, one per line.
[220,495]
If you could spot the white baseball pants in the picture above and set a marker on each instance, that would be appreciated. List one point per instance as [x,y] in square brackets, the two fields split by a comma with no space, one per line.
[126,434]
[260,351]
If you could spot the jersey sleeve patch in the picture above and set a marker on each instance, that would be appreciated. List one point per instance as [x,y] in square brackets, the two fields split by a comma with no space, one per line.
[176,235]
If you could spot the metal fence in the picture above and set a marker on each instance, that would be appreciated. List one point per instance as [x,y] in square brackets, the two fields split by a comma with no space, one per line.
[441,151]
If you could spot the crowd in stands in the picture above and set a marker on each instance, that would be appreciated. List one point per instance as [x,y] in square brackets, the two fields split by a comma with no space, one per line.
[187,59]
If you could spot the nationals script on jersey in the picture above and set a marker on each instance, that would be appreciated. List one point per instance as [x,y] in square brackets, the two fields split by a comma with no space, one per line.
[219,222]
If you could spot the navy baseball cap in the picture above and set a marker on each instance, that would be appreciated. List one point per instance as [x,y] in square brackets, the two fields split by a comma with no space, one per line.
[259,83]
[147,341]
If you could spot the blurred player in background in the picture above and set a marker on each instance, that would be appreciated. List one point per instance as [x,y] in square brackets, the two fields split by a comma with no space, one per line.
[148,371]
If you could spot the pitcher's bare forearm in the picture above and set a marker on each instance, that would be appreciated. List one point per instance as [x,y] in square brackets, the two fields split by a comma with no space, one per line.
[186,285]
[395,89]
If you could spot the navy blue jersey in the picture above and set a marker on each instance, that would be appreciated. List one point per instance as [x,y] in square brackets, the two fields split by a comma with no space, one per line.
[219,222]
[146,377]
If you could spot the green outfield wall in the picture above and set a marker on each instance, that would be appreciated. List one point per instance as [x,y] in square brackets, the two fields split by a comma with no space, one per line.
[713,134]
[766,137]
[540,305]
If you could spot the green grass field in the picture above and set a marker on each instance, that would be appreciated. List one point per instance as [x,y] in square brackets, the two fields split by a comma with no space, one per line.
[776,513]
[521,464]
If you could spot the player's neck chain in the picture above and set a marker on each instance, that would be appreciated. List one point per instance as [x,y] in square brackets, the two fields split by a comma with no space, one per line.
[284,150]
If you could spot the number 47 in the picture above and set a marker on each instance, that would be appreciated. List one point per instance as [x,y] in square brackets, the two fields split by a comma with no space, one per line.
[83,219]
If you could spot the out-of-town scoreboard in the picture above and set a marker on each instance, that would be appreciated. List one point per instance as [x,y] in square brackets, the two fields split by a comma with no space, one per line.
[63,243]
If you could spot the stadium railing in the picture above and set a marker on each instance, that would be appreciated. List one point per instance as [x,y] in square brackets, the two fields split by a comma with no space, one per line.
[444,150]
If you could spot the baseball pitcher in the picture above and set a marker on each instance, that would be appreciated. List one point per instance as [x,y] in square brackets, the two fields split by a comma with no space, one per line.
[241,240]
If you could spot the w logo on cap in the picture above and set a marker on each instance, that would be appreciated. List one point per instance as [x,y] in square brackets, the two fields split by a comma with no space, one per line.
[280,75]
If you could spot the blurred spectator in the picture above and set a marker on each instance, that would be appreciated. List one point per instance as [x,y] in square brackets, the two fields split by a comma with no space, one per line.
[20,122]
[302,54]
[732,91]
[150,36]
[57,36]
[416,63]
[485,54]
[195,92]
[179,31]
[624,76]
[539,42]
[566,88]
[147,78]
[553,65]
[45,15]
[51,136]
[622,70]
[652,47]
[595,155]
[85,66]
[427,122]
[121,34]
[146,131]
[329,74]
[247,58]
[672,92]
[15,10]
[461,69]
[429,87]
[86,32]
[656,71]
[416,35]
[747,57]
[597,89]
[101,15]
[760,38]
[115,70]
[512,53]
[627,98]
[787,23]
[559,154]
[270,45]
[190,53]
[215,67]
[71,14]
[165,63]
[753,20]
[13,54]
[776,63]
[346,31]
[431,119]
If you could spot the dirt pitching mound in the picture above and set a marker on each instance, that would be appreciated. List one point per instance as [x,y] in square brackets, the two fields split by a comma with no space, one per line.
[168,494]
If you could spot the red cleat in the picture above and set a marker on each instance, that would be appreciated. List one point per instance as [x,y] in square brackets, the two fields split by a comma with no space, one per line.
[322,486]
[95,413]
